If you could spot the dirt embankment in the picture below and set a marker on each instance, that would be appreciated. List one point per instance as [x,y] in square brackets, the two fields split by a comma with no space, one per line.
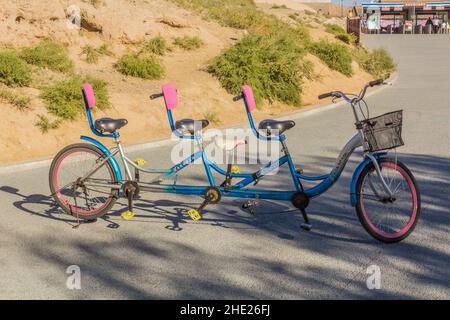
[123,25]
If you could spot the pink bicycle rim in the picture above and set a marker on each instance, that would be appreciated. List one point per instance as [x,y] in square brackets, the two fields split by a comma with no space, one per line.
[61,197]
[414,209]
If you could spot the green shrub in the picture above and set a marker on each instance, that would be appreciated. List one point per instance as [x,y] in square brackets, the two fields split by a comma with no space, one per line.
[64,99]
[239,14]
[276,6]
[157,45]
[18,100]
[48,54]
[378,63]
[140,66]
[272,66]
[334,28]
[44,124]
[336,56]
[104,50]
[93,54]
[346,38]
[13,71]
[188,43]
[270,58]
[309,12]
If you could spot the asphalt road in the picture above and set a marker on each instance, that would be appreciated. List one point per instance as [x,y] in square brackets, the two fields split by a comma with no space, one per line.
[229,254]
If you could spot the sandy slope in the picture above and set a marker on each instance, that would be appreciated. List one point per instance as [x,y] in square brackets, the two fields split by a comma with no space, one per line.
[124,24]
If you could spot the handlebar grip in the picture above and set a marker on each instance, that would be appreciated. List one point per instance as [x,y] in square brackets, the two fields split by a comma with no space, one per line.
[156,96]
[237,98]
[376,82]
[325,95]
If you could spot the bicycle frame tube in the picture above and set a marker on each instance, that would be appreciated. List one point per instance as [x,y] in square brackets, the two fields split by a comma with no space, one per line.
[107,153]
[330,179]
[237,190]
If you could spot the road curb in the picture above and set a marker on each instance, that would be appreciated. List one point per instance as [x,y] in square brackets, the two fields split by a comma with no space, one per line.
[30,165]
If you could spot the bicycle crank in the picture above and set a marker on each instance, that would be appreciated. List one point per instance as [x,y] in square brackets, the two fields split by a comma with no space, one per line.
[211,195]
[301,201]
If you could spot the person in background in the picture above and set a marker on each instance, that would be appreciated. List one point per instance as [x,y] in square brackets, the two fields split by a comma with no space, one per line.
[444,27]
[436,24]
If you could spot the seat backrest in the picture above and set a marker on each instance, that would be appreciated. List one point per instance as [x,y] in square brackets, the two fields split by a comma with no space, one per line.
[249,97]
[170,96]
[88,95]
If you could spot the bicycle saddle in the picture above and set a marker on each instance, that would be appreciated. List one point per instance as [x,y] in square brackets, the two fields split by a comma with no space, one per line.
[190,125]
[280,126]
[109,125]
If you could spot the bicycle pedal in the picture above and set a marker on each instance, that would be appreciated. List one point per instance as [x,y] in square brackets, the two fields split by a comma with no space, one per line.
[306,226]
[235,169]
[127,215]
[250,207]
[194,214]
[140,162]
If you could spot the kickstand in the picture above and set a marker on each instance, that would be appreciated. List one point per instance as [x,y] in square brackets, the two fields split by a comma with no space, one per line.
[305,225]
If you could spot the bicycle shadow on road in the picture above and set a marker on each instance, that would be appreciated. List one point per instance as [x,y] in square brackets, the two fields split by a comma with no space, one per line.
[332,216]
[336,235]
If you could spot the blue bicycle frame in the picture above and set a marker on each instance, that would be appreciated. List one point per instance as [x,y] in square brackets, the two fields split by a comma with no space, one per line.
[237,189]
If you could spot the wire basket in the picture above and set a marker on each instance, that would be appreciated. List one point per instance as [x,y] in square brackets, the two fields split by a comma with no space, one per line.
[383,132]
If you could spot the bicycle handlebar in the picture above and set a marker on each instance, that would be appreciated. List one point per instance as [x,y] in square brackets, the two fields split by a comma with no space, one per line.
[325,95]
[237,98]
[340,94]
[156,96]
[376,82]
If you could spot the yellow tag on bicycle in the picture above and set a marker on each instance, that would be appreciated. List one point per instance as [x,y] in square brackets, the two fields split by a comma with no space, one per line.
[127,215]
[194,214]
[235,169]
[140,162]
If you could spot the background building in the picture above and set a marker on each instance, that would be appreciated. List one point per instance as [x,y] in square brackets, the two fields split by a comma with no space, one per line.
[405,17]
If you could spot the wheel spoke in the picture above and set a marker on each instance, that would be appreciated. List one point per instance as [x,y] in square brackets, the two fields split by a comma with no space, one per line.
[387,216]
[90,196]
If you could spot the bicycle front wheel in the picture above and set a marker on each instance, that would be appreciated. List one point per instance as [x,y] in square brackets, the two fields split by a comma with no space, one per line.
[87,198]
[388,219]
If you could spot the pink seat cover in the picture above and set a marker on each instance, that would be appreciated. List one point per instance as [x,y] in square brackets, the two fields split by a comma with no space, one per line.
[249,98]
[89,96]
[170,96]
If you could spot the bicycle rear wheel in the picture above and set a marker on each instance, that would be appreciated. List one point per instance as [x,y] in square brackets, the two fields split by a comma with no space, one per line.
[388,219]
[86,199]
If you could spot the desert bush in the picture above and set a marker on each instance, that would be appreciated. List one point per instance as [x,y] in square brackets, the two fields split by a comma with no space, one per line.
[157,45]
[378,63]
[272,66]
[64,99]
[346,38]
[336,56]
[48,54]
[13,71]
[93,54]
[140,66]
[334,28]
[44,124]
[188,43]
[239,14]
[309,12]
[17,100]
[277,6]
